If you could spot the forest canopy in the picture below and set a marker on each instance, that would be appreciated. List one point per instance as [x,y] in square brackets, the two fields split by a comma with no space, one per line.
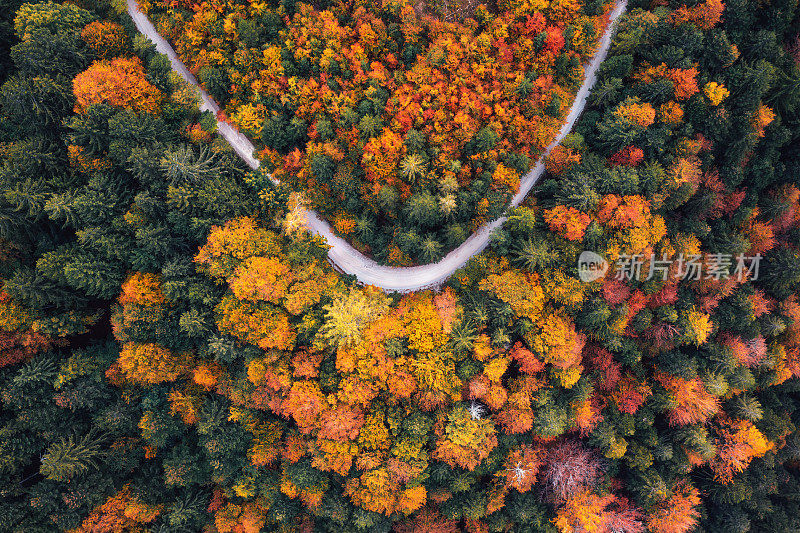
[406,130]
[178,354]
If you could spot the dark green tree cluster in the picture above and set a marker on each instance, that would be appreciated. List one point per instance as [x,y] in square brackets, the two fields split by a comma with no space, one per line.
[67,439]
[87,197]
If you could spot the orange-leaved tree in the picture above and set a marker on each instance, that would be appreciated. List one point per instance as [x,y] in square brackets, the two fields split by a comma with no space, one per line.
[106,39]
[738,442]
[678,513]
[119,82]
[148,363]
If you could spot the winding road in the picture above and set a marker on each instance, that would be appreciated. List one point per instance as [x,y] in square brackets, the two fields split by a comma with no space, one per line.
[341,254]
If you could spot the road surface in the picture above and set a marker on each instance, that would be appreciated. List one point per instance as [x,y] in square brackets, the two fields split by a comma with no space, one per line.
[341,254]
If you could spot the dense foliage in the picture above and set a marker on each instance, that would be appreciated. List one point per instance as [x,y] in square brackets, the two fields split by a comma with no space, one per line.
[176,354]
[407,132]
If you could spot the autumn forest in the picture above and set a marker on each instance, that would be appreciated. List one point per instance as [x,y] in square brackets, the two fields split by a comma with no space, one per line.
[178,353]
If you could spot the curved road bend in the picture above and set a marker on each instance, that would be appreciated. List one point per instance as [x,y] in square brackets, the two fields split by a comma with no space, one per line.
[342,255]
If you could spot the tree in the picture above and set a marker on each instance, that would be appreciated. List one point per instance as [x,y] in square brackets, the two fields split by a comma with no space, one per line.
[422,210]
[561,159]
[583,512]
[229,245]
[715,92]
[119,82]
[738,443]
[262,325]
[56,54]
[106,39]
[522,467]
[567,222]
[427,521]
[641,114]
[186,166]
[120,512]
[569,468]
[629,156]
[704,15]
[217,83]
[684,81]
[376,491]
[782,273]
[55,17]
[305,403]
[692,402]
[519,290]
[430,250]
[382,155]
[350,313]
[677,513]
[151,363]
[463,440]
[45,99]
[71,457]
[413,167]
